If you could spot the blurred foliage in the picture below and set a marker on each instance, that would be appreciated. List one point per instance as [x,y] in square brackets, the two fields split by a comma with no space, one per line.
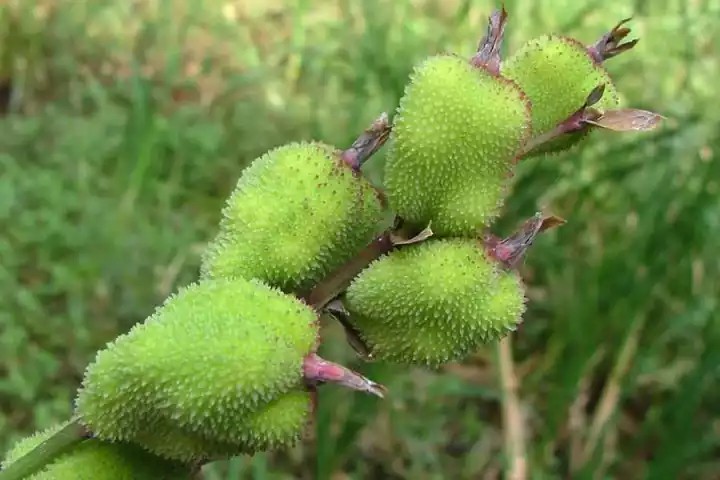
[124,125]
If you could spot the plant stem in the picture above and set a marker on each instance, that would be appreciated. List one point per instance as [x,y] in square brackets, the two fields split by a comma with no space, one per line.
[577,416]
[513,423]
[610,397]
[63,440]
[335,283]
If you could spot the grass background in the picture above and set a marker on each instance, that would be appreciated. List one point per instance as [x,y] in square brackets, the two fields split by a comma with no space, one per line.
[124,126]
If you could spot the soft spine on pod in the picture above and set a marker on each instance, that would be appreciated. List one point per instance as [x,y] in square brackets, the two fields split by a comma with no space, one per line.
[222,368]
[216,371]
[558,73]
[228,365]
[434,302]
[455,137]
[297,213]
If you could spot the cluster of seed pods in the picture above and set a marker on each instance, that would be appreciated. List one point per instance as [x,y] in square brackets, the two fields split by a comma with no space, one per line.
[229,364]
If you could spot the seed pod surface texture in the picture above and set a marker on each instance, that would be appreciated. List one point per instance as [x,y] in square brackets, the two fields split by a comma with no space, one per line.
[94,459]
[558,75]
[434,302]
[297,213]
[454,140]
[278,424]
[204,366]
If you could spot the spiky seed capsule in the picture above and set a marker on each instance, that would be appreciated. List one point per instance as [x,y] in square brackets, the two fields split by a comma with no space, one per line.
[280,420]
[434,302]
[453,143]
[506,306]
[557,74]
[202,369]
[94,459]
[277,424]
[297,213]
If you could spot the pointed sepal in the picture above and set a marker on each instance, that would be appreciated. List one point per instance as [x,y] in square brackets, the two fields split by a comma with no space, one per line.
[369,142]
[610,44]
[510,251]
[318,370]
[488,53]
[627,120]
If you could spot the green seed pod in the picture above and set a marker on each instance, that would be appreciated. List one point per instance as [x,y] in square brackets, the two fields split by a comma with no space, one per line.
[276,425]
[297,213]
[453,144]
[204,368]
[94,459]
[169,440]
[558,74]
[434,302]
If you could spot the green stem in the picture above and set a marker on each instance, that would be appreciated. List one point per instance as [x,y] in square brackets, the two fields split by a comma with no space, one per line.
[338,281]
[66,438]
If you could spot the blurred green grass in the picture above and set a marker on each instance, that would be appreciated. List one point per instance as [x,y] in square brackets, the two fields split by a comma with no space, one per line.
[125,125]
